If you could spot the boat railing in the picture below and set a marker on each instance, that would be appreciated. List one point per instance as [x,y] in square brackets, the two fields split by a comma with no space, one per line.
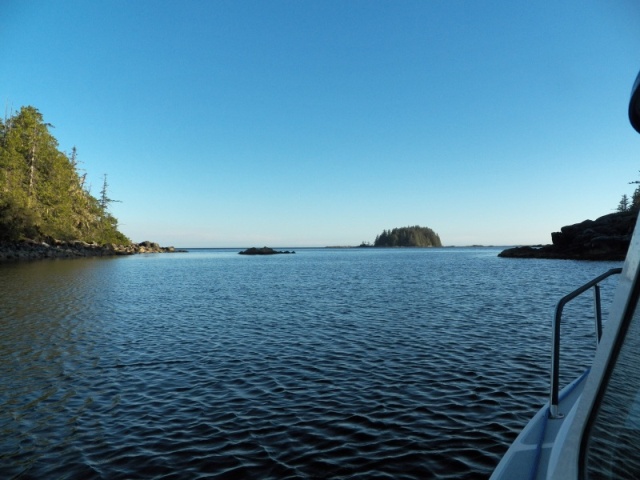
[555,355]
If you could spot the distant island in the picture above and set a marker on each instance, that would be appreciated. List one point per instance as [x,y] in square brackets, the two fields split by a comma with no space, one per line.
[263,251]
[46,207]
[415,236]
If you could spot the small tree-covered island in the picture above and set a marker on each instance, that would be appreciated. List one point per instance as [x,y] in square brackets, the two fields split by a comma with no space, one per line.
[46,209]
[415,236]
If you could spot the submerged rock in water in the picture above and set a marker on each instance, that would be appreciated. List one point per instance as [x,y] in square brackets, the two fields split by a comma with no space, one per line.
[262,251]
[606,238]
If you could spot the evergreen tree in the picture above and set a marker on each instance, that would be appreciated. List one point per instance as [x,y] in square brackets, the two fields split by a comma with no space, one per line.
[635,197]
[415,236]
[41,193]
[623,206]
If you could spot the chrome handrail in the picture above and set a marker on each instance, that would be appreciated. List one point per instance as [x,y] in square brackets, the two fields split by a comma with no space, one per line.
[555,354]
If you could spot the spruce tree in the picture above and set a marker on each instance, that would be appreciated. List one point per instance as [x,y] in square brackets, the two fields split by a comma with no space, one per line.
[42,194]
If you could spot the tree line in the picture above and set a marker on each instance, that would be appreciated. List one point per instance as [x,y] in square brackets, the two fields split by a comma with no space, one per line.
[630,204]
[43,195]
[415,236]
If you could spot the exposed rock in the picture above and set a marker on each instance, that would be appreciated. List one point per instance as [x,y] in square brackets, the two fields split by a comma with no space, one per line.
[53,248]
[262,251]
[606,238]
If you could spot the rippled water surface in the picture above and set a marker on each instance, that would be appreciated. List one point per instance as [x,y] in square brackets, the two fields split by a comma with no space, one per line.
[330,363]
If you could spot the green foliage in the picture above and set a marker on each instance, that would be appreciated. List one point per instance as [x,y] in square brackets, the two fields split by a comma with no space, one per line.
[623,206]
[415,236]
[41,193]
[635,199]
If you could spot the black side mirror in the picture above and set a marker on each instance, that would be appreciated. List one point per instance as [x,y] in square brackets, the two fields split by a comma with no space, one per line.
[634,105]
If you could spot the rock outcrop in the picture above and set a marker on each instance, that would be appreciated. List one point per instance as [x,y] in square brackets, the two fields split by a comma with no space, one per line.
[34,250]
[262,251]
[606,238]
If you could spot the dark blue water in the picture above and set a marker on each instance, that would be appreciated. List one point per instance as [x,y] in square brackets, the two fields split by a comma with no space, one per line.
[330,363]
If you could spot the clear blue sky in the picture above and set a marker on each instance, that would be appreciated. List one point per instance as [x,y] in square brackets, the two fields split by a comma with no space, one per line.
[314,123]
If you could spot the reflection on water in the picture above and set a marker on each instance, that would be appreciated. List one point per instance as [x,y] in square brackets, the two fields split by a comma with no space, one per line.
[360,363]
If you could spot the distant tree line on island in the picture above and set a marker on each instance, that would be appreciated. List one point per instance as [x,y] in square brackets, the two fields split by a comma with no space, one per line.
[415,236]
[42,193]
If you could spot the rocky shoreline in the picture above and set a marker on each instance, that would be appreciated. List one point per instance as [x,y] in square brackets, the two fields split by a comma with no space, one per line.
[606,238]
[34,250]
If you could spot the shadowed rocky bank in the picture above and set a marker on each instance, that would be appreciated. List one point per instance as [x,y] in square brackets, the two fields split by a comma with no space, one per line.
[34,250]
[606,238]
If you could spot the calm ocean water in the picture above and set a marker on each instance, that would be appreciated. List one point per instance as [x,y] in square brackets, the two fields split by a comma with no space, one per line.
[330,363]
